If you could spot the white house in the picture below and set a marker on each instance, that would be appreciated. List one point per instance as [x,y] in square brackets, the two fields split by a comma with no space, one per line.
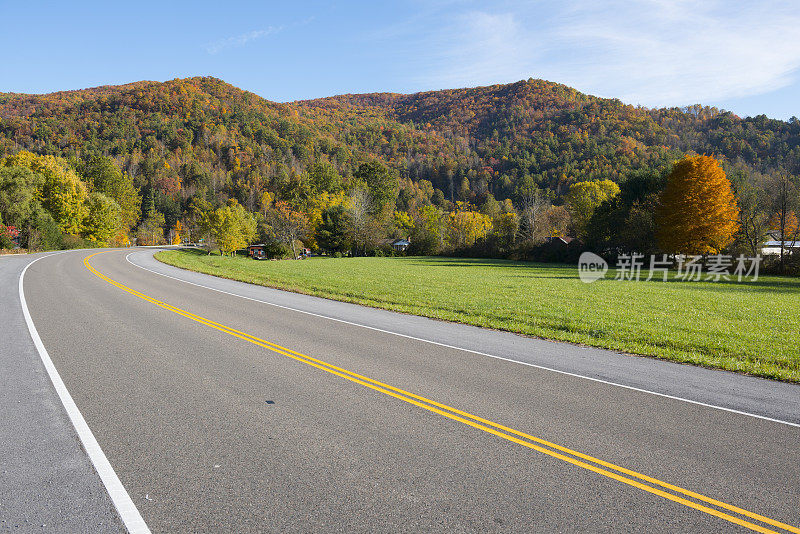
[773,247]
[400,245]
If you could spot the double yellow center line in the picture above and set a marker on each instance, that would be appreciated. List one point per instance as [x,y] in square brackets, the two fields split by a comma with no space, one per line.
[626,476]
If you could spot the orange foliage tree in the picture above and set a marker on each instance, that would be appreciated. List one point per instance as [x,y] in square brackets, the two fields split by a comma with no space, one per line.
[178,233]
[786,225]
[697,213]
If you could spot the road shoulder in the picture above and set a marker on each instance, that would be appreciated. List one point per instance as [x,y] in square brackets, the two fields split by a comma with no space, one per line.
[48,482]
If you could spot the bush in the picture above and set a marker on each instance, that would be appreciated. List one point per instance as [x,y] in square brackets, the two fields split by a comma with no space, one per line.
[772,264]
[550,252]
[43,233]
[485,247]
[5,239]
[275,249]
[337,254]
[71,241]
[423,244]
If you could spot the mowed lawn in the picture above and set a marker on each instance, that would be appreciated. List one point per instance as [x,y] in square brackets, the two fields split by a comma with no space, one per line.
[750,327]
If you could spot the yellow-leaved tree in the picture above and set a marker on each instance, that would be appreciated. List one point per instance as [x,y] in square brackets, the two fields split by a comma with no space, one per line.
[102,220]
[697,212]
[62,192]
[583,198]
[466,225]
[403,223]
[178,233]
[231,226]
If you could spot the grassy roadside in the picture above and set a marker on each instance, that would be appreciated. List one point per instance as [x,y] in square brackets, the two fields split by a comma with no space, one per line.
[749,327]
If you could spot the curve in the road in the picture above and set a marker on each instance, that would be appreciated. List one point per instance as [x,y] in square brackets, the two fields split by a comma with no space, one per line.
[545,447]
[126,509]
[480,353]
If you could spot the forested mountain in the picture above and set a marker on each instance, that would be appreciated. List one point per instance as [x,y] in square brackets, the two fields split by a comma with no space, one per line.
[203,140]
[559,135]
[203,132]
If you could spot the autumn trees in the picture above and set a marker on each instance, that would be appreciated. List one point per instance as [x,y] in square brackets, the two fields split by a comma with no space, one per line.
[230,227]
[18,194]
[510,153]
[49,197]
[151,229]
[697,212]
[178,234]
[287,225]
[695,209]
[489,171]
[465,226]
[60,189]
[105,177]
[764,208]
[186,134]
[692,210]
[21,209]
[583,198]
[626,223]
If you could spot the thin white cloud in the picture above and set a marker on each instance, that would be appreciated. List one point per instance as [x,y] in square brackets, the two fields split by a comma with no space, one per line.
[491,47]
[239,40]
[652,52]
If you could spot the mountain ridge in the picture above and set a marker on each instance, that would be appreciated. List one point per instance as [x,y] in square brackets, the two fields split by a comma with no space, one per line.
[489,139]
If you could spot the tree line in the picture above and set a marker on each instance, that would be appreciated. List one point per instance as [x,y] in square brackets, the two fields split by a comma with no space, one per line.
[48,202]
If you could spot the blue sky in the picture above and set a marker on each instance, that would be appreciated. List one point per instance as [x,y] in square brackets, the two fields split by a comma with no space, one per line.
[740,55]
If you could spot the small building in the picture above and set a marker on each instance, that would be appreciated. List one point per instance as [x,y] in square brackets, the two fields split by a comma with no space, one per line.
[256,252]
[773,247]
[400,245]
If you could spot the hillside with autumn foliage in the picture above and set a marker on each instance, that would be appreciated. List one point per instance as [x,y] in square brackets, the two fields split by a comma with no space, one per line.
[559,135]
[201,131]
[502,156]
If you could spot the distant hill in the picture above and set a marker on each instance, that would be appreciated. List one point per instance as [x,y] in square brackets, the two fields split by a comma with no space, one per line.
[558,134]
[201,134]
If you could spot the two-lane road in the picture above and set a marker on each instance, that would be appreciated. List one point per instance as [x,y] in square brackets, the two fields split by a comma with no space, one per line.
[223,413]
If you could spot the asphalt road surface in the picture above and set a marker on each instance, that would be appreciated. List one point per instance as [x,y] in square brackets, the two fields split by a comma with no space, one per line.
[282,412]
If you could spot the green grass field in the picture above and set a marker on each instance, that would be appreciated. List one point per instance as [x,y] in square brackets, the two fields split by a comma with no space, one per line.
[749,327]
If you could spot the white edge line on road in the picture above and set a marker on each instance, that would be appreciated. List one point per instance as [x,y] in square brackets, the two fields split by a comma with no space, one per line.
[542,367]
[122,501]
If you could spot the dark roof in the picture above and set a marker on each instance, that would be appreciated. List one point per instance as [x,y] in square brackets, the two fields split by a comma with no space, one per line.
[565,240]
